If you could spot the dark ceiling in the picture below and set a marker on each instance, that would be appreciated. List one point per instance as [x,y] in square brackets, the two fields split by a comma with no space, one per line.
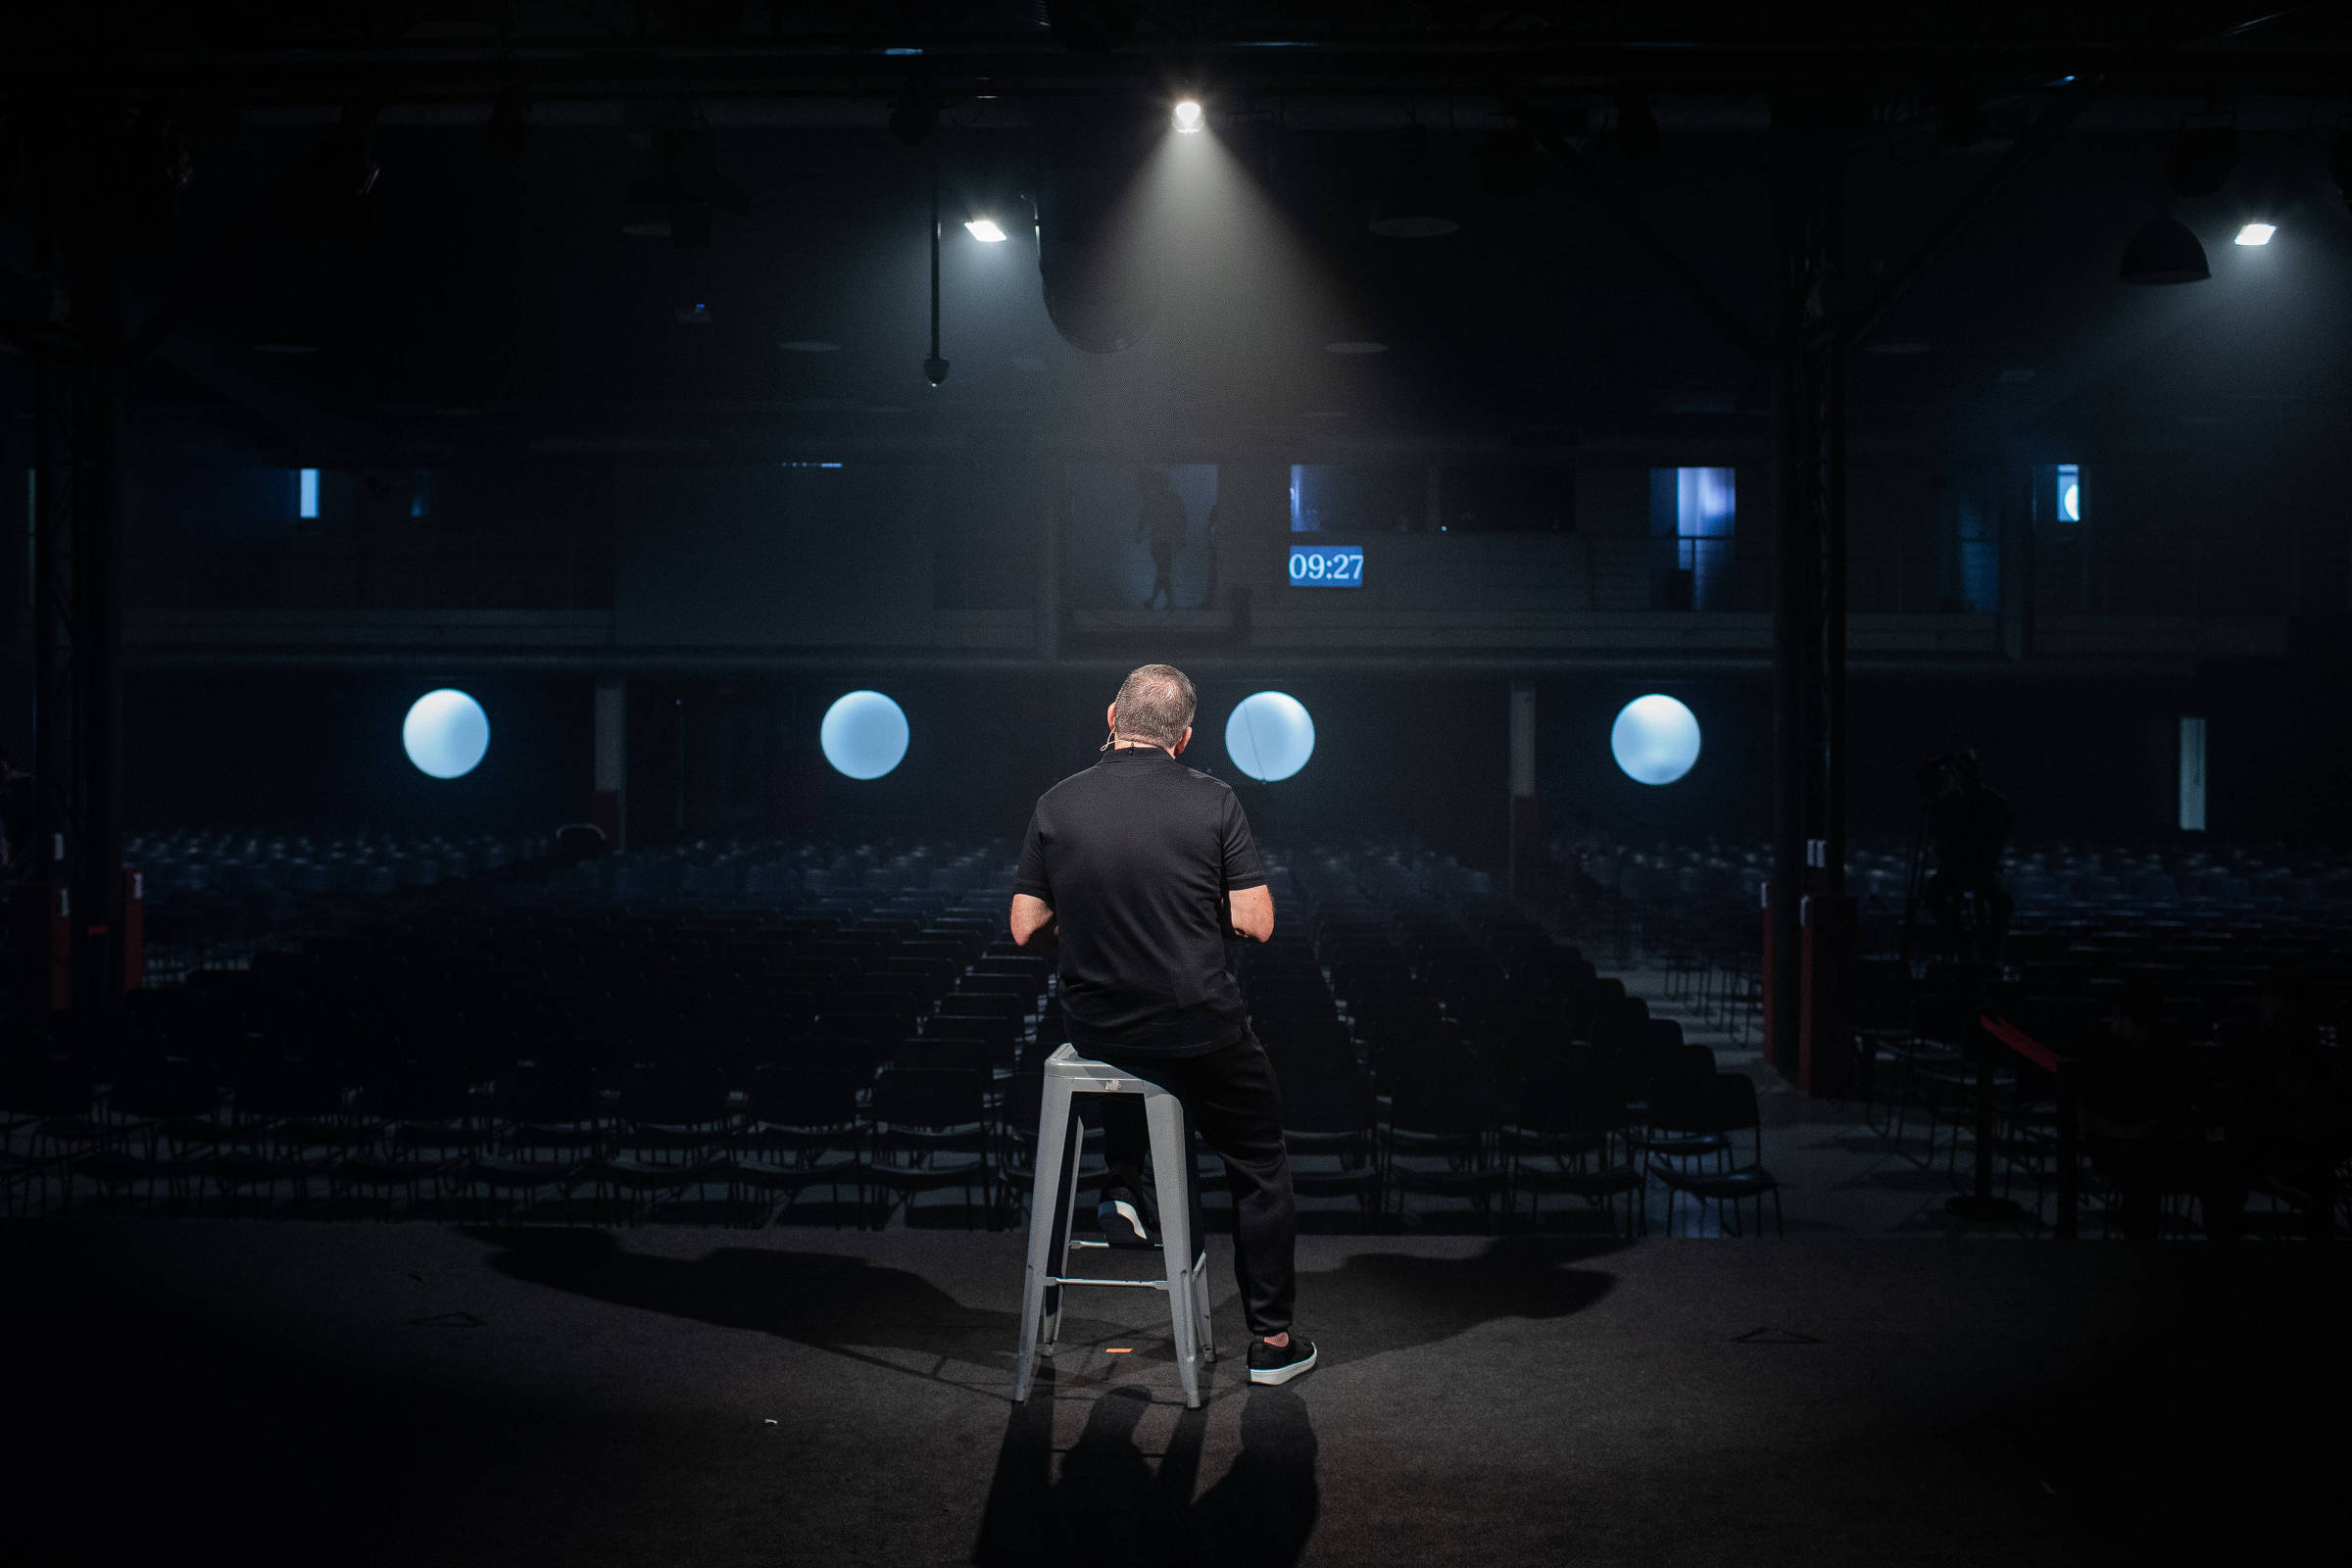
[497,303]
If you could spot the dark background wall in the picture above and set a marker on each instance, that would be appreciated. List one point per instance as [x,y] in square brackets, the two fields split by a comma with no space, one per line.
[1422,759]
[272,751]
[1418,757]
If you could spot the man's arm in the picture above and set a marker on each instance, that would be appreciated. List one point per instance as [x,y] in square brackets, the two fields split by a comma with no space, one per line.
[1032,914]
[1251,911]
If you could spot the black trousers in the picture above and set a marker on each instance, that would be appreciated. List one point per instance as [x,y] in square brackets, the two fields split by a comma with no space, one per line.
[1163,573]
[1233,1099]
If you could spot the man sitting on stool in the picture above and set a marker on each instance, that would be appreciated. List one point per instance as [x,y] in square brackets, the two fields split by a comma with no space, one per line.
[1141,869]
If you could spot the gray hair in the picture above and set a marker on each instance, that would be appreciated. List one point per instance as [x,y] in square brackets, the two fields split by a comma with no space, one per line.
[1154,704]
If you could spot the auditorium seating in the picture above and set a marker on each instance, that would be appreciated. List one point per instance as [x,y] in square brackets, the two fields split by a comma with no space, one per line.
[2200,938]
[717,1030]
[722,1030]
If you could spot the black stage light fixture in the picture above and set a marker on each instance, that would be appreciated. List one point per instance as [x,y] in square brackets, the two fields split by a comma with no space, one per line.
[2164,252]
[1094,262]
[935,367]
[2201,159]
[1637,125]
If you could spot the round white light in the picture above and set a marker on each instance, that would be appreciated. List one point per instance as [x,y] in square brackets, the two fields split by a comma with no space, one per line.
[864,735]
[1187,116]
[2070,505]
[445,733]
[1654,740]
[1270,736]
[2257,233]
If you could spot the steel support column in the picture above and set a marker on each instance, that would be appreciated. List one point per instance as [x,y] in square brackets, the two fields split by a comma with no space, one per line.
[42,935]
[98,631]
[1809,566]
[77,634]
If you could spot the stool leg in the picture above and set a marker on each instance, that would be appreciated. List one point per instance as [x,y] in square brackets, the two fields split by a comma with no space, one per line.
[1053,1134]
[1172,1157]
[1203,1339]
[1065,1208]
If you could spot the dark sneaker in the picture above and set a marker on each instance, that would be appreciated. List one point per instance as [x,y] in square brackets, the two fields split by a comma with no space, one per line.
[1269,1364]
[1123,1221]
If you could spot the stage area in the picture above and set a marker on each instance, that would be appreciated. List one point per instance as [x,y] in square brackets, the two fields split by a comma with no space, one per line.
[421,1395]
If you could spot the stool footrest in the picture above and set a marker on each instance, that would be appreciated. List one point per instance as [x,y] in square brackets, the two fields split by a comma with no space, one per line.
[1126,1285]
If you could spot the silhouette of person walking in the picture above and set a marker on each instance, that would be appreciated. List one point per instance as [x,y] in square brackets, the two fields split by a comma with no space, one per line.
[1160,520]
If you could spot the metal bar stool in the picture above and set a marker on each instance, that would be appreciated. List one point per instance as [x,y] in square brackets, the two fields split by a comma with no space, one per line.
[1055,1199]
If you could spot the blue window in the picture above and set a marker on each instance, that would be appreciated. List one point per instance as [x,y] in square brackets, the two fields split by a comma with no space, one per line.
[2068,503]
[308,493]
[1360,497]
[1976,534]
[1693,515]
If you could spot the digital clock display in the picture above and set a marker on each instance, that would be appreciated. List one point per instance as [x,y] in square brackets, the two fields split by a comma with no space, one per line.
[1327,565]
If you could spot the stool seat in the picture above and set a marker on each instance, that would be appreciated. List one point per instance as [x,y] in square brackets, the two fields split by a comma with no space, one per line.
[1053,1201]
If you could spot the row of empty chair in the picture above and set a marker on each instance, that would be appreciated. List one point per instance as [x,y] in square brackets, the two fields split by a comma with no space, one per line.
[521,1051]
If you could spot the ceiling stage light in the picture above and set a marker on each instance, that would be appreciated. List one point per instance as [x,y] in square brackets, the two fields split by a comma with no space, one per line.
[2257,233]
[864,735]
[985,230]
[1270,736]
[1655,739]
[1187,116]
[445,733]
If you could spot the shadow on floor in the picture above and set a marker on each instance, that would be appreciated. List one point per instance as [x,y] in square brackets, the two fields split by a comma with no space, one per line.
[824,1300]
[1374,1303]
[1377,1303]
[1110,1507]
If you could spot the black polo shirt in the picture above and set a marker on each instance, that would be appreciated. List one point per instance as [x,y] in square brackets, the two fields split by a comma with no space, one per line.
[1136,855]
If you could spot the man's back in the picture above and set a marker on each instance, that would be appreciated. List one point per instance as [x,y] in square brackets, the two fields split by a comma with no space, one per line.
[1136,855]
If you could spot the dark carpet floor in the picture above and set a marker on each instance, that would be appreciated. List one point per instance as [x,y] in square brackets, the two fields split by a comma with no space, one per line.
[418,1395]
